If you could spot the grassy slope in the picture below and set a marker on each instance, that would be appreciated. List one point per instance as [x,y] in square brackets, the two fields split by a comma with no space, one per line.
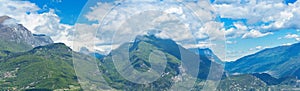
[13,46]
[140,55]
[48,67]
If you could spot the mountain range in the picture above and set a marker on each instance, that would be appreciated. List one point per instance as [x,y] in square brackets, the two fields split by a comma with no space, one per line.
[33,62]
[140,50]
[16,38]
[282,61]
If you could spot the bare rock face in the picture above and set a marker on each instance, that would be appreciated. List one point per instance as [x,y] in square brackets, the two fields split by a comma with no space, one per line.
[13,32]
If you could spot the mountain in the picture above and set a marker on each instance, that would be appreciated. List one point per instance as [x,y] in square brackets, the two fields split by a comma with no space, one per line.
[48,67]
[141,49]
[44,67]
[206,52]
[33,62]
[86,51]
[268,78]
[282,61]
[16,38]
[3,18]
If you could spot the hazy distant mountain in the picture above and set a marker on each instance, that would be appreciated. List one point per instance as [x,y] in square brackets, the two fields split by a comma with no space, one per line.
[86,51]
[282,61]
[15,37]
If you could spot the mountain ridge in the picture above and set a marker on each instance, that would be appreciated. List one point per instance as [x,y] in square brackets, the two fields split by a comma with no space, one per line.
[139,51]
[55,69]
[274,61]
[15,37]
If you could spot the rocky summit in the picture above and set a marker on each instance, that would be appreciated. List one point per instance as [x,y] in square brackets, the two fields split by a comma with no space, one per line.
[12,33]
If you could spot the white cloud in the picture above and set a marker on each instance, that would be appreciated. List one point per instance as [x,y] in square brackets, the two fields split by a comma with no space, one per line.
[200,45]
[257,48]
[292,36]
[255,34]
[191,25]
[177,10]
[287,44]
[167,20]
[214,30]
[226,1]
[275,14]
[45,23]
[84,36]
[239,31]
[231,11]
[99,8]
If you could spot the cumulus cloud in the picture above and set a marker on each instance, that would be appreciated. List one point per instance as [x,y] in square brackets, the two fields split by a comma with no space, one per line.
[287,44]
[226,1]
[257,18]
[261,15]
[214,31]
[255,34]
[169,19]
[99,8]
[292,36]
[239,30]
[258,48]
[26,13]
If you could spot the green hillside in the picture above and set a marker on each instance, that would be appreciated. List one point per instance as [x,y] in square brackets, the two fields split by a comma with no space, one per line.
[140,50]
[46,67]
[7,47]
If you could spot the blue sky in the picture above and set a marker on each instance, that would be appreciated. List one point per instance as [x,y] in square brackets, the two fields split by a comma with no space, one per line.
[249,26]
[67,10]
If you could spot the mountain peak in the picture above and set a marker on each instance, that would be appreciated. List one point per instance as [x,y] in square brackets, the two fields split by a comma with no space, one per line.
[18,35]
[146,38]
[207,53]
[3,18]
[55,47]
[155,40]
